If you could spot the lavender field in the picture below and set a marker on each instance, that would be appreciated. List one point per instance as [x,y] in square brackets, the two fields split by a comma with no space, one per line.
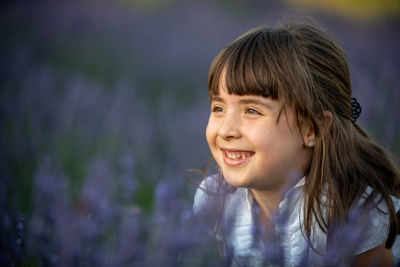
[102,118]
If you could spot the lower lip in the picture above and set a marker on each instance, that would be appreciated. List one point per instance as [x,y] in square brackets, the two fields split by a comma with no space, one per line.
[235,162]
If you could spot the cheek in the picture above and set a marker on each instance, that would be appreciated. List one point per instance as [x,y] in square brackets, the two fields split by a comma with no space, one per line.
[211,136]
[287,146]
[262,138]
[211,133]
[274,143]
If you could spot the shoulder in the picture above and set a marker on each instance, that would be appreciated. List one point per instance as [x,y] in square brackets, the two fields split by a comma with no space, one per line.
[214,193]
[366,228]
[376,222]
[376,232]
[205,193]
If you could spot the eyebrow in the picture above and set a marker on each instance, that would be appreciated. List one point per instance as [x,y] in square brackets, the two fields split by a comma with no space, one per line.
[244,101]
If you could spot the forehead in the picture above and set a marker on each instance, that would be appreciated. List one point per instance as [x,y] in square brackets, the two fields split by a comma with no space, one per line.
[241,81]
[223,91]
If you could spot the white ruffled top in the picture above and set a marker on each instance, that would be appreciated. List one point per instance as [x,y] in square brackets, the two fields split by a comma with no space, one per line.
[365,233]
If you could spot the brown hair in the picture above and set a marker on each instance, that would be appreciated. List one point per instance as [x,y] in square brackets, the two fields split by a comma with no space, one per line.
[304,67]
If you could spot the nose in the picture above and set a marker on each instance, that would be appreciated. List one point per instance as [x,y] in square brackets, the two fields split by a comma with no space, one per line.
[230,127]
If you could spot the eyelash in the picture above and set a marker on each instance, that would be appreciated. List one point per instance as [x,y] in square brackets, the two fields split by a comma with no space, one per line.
[217,109]
[252,111]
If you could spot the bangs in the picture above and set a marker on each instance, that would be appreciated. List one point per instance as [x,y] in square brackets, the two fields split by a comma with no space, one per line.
[257,63]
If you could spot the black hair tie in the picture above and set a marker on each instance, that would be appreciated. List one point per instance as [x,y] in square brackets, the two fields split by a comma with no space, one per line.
[355,109]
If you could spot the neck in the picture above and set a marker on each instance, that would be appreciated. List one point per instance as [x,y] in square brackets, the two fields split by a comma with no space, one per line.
[269,204]
[268,201]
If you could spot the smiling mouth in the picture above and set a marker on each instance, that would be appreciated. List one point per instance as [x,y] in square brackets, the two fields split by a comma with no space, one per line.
[234,158]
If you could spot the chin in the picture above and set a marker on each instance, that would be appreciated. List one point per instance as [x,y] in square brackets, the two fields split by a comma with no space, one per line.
[235,181]
[234,184]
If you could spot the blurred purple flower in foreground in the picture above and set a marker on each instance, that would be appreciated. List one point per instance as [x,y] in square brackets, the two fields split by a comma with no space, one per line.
[100,228]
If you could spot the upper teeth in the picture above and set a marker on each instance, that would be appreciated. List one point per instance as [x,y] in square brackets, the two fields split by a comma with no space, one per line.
[238,155]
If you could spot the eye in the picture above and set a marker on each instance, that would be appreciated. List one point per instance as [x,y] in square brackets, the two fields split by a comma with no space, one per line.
[217,109]
[252,111]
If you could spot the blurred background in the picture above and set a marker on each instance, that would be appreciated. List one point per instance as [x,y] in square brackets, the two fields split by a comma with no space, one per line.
[103,109]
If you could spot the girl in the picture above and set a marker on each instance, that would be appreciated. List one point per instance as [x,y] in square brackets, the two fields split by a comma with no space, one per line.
[283,132]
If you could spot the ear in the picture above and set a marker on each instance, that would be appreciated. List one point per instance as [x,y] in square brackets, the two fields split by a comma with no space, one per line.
[308,132]
[308,128]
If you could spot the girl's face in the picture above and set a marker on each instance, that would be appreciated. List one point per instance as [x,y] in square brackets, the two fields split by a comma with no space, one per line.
[252,149]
